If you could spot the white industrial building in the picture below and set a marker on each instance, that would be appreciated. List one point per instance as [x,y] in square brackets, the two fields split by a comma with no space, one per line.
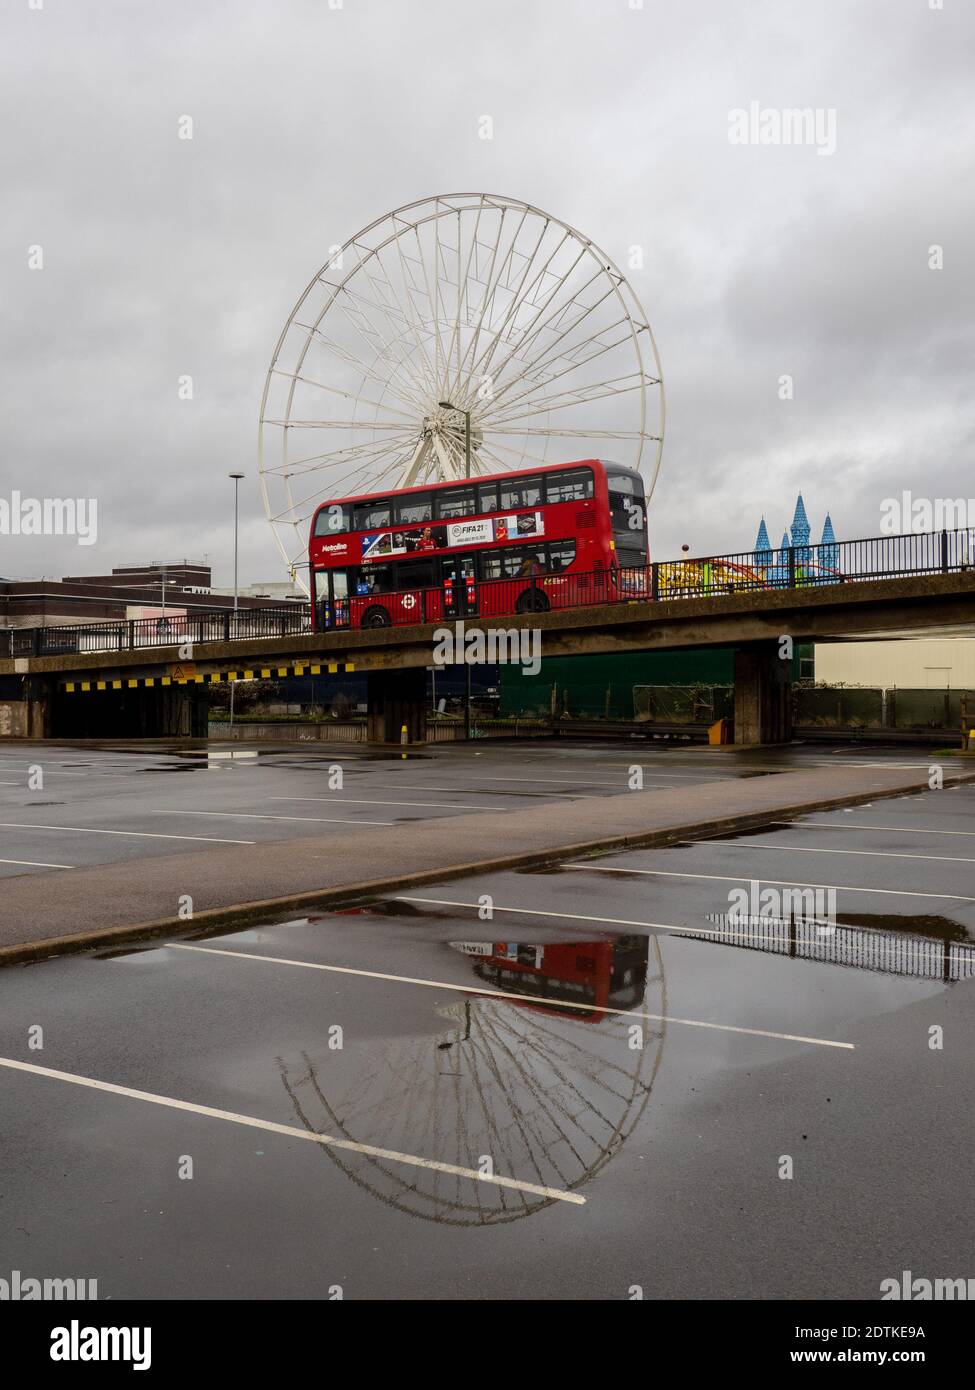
[924,663]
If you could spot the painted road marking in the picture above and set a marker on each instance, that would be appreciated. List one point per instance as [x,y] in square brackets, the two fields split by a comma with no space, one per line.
[371,801]
[466,791]
[818,849]
[504,994]
[35,864]
[856,825]
[779,882]
[291,1131]
[137,834]
[254,815]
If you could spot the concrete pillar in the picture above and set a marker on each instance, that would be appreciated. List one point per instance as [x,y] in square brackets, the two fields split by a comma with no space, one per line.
[763,695]
[39,693]
[396,698]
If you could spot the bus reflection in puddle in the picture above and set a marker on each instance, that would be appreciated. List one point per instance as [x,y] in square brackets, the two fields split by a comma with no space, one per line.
[605,975]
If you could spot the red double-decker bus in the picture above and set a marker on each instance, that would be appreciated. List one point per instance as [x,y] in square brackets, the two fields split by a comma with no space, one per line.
[523,542]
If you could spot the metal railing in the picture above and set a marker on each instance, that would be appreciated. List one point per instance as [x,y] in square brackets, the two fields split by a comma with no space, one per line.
[122,635]
[793,567]
[864,948]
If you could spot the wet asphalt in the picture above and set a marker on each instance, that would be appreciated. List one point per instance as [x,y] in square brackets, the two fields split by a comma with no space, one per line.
[749,1109]
[107,805]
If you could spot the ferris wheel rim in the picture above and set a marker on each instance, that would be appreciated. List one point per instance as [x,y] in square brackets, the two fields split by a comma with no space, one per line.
[647,375]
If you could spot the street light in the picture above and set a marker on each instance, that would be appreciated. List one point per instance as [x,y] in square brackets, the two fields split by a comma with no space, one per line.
[446,405]
[236,477]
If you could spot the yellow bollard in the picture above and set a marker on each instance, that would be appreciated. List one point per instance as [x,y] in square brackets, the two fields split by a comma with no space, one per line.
[404,736]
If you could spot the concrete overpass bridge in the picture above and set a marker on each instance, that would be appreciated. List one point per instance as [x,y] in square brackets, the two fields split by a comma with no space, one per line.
[133,679]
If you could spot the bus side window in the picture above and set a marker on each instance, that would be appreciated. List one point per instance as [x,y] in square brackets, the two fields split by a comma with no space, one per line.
[454,502]
[574,485]
[333,519]
[487,497]
[490,564]
[561,555]
[371,516]
[521,492]
[416,574]
[378,579]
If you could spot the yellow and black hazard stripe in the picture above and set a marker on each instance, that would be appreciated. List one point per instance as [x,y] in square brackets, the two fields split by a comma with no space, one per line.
[331,668]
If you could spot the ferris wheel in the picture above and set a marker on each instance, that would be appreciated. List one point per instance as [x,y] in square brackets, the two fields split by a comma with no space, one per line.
[457,336]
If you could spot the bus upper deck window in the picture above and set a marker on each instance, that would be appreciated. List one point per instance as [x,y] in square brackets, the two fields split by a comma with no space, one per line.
[333,519]
[414,508]
[574,485]
[521,492]
[454,502]
[370,516]
[487,497]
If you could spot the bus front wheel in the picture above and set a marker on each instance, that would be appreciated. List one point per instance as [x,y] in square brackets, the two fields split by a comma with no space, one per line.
[376,617]
[532,601]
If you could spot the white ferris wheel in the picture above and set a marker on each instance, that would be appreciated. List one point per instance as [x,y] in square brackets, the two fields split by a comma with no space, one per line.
[464,334]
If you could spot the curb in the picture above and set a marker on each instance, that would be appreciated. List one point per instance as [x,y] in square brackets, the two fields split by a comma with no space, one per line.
[352,894]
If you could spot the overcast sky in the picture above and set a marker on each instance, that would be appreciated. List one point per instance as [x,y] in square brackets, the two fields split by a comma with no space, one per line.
[165,257]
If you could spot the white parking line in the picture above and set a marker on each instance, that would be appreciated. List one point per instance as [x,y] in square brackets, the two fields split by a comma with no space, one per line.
[136,834]
[650,770]
[291,1131]
[504,994]
[254,815]
[779,882]
[35,864]
[818,849]
[857,825]
[372,801]
[466,791]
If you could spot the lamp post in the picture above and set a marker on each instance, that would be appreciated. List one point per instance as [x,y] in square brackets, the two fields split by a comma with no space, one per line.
[236,477]
[446,405]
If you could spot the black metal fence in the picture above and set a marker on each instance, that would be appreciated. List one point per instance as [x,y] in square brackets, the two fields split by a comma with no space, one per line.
[865,948]
[217,625]
[794,567]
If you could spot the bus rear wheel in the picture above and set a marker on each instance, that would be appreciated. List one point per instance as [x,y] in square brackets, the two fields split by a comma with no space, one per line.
[376,617]
[532,601]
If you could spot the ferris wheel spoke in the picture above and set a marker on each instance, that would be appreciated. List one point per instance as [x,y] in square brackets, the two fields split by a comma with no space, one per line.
[525,364]
[381,353]
[348,395]
[463,282]
[572,363]
[342,455]
[328,489]
[431,295]
[596,432]
[506,466]
[491,286]
[346,355]
[562,400]
[410,288]
[480,368]
[409,323]
[513,1056]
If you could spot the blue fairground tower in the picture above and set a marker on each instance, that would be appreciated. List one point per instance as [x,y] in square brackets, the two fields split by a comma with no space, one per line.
[813,564]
